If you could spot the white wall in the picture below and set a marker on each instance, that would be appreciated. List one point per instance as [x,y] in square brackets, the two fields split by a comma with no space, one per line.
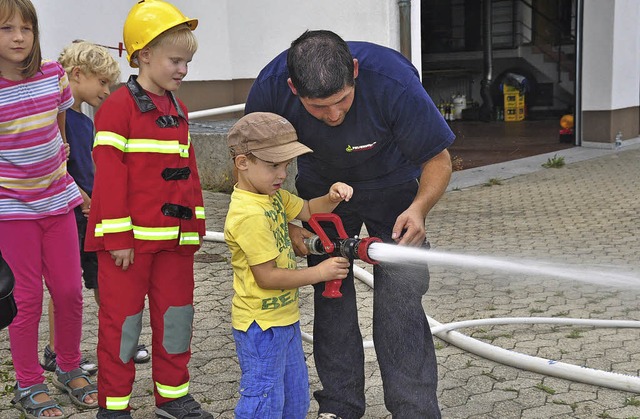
[611,54]
[626,55]
[237,37]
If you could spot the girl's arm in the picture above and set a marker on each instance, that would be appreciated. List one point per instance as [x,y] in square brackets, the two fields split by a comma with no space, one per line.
[62,116]
[339,192]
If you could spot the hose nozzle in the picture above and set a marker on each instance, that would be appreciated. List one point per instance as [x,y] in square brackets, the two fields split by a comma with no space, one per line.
[347,247]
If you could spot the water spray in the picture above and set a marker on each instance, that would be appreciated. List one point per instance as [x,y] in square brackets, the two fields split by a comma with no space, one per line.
[372,250]
[348,247]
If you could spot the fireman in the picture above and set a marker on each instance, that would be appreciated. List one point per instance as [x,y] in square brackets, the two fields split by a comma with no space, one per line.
[147,216]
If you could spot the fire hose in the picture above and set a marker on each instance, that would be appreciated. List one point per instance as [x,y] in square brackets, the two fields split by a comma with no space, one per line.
[358,248]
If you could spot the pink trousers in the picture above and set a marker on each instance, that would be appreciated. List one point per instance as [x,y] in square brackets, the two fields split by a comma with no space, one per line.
[36,249]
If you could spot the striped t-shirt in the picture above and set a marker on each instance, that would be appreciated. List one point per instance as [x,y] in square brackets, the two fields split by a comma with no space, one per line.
[34,182]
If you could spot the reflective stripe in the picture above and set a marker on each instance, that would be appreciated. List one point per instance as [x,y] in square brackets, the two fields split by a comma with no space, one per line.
[189,238]
[141,145]
[112,139]
[118,403]
[116,225]
[155,146]
[200,213]
[156,233]
[147,233]
[170,392]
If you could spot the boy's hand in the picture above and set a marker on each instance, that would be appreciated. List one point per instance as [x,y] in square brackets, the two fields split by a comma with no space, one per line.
[333,268]
[67,150]
[86,203]
[297,235]
[340,192]
[122,257]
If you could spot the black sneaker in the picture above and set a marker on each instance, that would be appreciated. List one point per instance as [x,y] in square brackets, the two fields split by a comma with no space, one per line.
[180,408]
[49,362]
[328,416]
[112,414]
[142,355]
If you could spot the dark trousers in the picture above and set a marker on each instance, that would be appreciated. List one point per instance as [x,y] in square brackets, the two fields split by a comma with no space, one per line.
[88,260]
[401,333]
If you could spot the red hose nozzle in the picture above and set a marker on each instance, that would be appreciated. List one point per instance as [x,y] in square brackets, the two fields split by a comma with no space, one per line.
[350,248]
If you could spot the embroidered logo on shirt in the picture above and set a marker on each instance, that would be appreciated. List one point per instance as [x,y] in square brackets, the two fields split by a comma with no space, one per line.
[365,147]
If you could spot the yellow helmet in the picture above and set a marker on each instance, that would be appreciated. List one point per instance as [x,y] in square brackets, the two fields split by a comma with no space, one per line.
[148,19]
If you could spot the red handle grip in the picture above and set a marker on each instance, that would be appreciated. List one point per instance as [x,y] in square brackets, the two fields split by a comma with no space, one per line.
[331,288]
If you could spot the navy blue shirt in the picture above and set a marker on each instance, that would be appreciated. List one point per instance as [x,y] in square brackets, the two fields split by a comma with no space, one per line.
[392,128]
[79,130]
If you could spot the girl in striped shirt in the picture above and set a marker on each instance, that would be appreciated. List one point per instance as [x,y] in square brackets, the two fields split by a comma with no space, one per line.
[38,235]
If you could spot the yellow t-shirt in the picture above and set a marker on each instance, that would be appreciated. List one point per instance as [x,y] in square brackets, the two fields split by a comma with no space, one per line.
[256,231]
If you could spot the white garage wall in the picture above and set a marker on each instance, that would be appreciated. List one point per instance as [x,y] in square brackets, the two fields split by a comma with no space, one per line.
[237,37]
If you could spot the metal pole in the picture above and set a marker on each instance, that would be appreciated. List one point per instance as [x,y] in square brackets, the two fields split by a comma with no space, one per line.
[578,76]
[404,7]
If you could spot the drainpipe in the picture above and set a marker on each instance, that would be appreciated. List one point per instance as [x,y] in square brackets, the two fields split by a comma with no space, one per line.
[486,109]
[404,7]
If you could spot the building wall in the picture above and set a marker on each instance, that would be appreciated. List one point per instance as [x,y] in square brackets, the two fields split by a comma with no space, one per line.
[611,71]
[237,37]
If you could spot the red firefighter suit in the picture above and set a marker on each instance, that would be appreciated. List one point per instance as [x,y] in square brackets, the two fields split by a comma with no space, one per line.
[146,197]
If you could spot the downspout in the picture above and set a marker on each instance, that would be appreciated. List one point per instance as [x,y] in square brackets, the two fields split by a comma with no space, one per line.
[404,7]
[486,109]
[578,78]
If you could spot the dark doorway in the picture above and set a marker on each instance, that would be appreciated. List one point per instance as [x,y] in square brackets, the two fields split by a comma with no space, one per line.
[532,71]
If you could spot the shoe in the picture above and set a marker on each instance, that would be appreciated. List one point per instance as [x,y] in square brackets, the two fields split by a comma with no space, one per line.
[142,355]
[62,381]
[25,402]
[49,362]
[328,416]
[113,414]
[182,407]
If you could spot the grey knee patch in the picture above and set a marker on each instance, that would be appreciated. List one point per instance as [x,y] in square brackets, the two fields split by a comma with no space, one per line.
[131,329]
[178,325]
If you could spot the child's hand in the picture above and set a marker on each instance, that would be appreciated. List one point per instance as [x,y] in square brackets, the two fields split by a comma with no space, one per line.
[67,150]
[340,192]
[333,268]
[123,257]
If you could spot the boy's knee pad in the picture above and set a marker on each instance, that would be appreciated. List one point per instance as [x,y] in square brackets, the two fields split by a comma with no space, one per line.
[178,325]
[131,329]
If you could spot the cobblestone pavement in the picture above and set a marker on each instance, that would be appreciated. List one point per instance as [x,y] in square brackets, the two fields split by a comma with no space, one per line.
[583,215]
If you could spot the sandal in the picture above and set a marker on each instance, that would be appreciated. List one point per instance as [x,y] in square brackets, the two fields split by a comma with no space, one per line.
[49,362]
[24,401]
[142,355]
[77,395]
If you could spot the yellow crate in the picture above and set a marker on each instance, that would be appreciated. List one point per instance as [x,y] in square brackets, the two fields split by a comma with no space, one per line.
[509,89]
[513,104]
[514,114]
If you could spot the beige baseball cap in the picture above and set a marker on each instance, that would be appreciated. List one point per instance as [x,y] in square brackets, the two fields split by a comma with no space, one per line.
[267,136]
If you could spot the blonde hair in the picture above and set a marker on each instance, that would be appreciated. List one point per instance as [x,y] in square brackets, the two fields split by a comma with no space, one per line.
[178,35]
[90,59]
[8,9]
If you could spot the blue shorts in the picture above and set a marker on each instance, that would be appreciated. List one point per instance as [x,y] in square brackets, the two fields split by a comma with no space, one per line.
[275,380]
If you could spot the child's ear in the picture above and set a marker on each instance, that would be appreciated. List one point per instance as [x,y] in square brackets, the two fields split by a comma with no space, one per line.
[75,74]
[241,162]
[143,55]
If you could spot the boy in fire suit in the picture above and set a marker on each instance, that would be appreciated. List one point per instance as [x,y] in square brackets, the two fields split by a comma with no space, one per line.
[147,216]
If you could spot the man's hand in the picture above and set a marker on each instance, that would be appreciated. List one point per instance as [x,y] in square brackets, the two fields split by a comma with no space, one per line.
[297,235]
[123,257]
[409,228]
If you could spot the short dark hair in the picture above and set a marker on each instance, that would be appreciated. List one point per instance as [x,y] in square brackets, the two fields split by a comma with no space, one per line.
[320,64]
